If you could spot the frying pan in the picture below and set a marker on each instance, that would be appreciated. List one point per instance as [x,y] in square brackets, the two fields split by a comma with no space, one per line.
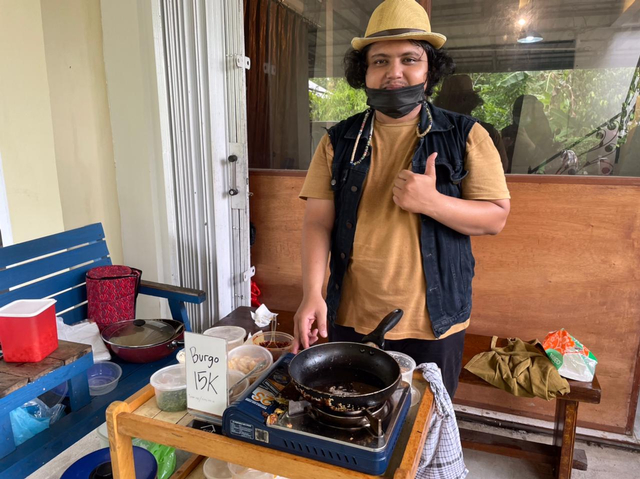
[346,377]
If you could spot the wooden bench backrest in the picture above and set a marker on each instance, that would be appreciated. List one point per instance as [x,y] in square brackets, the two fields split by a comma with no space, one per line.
[54,267]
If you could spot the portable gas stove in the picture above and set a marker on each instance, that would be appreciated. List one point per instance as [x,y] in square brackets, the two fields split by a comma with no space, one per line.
[272,414]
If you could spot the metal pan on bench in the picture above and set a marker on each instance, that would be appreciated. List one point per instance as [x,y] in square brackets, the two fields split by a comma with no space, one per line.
[143,341]
[345,377]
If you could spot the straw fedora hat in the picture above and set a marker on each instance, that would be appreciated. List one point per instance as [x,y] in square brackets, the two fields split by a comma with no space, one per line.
[398,20]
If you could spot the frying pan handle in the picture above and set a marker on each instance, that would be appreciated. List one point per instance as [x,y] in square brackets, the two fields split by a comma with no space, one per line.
[376,337]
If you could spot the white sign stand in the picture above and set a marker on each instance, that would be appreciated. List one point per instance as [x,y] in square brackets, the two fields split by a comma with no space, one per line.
[206,363]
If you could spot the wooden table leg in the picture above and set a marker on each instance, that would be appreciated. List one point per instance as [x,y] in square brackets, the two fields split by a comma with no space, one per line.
[564,436]
[7,445]
[120,444]
[79,395]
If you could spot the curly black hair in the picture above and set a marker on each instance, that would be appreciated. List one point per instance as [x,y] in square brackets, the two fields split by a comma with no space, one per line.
[440,65]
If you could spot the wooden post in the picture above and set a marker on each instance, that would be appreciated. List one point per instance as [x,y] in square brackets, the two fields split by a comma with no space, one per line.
[329,35]
[564,436]
[120,445]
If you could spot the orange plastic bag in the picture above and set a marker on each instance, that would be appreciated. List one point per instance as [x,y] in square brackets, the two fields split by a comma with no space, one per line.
[571,358]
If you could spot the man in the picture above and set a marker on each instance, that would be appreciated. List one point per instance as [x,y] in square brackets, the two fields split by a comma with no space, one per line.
[457,94]
[529,140]
[394,194]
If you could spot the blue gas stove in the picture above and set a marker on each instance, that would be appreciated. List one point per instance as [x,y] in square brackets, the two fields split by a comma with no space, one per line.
[272,414]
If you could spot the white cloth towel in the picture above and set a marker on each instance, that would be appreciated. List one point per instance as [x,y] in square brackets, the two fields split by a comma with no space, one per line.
[442,454]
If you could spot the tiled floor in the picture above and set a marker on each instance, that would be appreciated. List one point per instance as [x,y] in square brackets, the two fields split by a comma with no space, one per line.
[604,462]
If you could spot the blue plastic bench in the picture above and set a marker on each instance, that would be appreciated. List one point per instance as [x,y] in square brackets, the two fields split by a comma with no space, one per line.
[55,266]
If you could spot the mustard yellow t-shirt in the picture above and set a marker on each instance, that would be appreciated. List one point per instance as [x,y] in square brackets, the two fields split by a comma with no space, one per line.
[385,271]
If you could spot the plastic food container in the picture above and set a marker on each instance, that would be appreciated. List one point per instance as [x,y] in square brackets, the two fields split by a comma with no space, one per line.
[181,356]
[233,335]
[232,377]
[28,331]
[103,434]
[244,358]
[277,344]
[170,384]
[415,396]
[103,377]
[241,472]
[407,365]
[216,469]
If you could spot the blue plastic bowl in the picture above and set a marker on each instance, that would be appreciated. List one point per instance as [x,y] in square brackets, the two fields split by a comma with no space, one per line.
[103,377]
[145,464]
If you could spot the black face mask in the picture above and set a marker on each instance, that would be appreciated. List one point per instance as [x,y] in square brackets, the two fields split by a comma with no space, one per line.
[396,103]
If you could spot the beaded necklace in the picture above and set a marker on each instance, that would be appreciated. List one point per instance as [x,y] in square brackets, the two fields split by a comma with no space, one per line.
[429,121]
[368,146]
[366,149]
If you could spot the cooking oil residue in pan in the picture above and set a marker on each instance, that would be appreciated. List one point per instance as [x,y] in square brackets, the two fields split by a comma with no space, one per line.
[349,383]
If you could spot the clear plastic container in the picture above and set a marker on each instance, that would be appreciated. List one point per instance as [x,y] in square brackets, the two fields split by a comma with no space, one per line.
[415,396]
[216,469]
[244,358]
[170,384]
[232,377]
[103,434]
[241,472]
[233,335]
[406,363]
[103,377]
[181,356]
[277,344]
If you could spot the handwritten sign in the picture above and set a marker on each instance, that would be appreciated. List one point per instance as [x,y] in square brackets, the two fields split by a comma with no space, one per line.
[206,363]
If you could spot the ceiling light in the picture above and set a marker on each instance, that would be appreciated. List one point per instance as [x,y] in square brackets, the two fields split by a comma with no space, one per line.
[522,22]
[529,36]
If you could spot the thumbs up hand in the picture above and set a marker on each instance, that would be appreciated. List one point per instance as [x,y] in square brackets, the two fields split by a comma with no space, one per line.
[417,193]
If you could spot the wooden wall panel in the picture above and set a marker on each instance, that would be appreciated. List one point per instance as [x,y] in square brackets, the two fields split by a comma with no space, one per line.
[568,257]
[277,214]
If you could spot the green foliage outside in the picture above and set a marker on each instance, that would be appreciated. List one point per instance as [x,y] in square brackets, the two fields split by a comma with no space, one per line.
[575,101]
[342,101]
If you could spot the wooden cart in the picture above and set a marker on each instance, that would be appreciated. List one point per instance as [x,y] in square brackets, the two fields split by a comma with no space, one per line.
[140,417]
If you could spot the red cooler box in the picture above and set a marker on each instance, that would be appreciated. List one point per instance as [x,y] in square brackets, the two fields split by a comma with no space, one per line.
[28,330]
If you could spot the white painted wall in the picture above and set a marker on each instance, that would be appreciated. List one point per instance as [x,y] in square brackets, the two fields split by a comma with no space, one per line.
[26,131]
[5,219]
[133,95]
[80,117]
[55,132]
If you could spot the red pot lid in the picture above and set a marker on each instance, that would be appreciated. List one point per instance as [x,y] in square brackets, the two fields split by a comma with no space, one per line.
[139,333]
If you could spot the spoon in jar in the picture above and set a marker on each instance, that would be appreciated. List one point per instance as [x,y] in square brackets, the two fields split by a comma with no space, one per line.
[274,324]
[257,367]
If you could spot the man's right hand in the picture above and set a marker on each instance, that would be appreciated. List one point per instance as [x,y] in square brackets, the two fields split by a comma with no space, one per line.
[310,311]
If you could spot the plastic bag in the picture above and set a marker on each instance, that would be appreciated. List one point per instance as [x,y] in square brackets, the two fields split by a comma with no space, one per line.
[32,418]
[571,358]
[165,456]
[84,332]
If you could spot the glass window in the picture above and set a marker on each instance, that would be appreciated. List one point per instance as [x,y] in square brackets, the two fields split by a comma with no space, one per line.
[555,82]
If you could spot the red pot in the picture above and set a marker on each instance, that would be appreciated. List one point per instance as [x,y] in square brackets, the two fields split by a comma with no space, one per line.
[143,340]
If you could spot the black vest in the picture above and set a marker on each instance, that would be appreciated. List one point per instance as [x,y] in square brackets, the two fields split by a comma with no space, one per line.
[447,260]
